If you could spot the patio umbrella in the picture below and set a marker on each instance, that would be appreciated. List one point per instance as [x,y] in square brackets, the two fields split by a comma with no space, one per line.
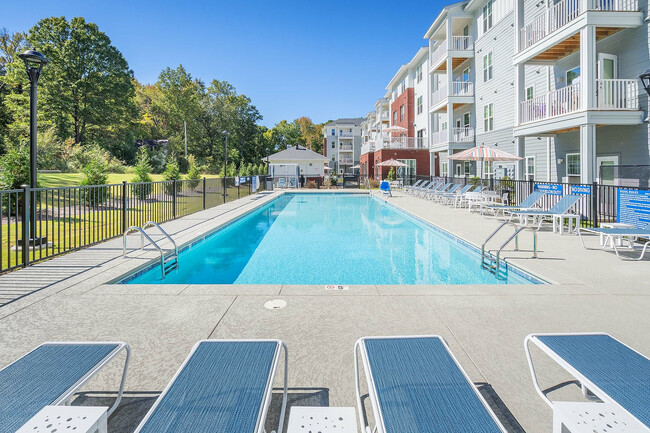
[355,166]
[395,128]
[484,153]
[391,163]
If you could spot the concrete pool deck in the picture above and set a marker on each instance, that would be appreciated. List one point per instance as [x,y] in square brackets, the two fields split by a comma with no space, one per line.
[485,326]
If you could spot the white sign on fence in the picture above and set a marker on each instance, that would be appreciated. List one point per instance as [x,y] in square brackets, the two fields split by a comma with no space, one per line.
[256,183]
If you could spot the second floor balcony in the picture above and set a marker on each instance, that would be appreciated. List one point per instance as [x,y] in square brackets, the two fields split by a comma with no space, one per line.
[458,46]
[346,147]
[464,90]
[463,134]
[367,147]
[402,143]
[346,134]
[346,161]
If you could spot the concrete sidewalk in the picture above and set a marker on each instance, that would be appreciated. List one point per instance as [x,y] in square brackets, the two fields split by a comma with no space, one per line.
[485,326]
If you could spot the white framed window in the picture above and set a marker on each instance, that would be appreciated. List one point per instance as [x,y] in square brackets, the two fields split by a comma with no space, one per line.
[488,169]
[487,67]
[530,168]
[443,125]
[333,131]
[488,117]
[467,117]
[418,73]
[402,86]
[444,168]
[573,164]
[419,104]
[466,167]
[394,117]
[530,93]
[487,16]
[465,74]
[401,113]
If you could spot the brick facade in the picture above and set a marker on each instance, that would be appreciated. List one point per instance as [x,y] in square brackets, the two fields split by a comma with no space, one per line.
[367,164]
[406,99]
[421,157]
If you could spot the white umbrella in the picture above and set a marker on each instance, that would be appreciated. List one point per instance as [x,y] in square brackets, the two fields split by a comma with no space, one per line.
[391,163]
[395,128]
[484,153]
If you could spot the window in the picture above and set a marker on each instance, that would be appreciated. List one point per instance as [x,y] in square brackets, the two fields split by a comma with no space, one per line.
[487,67]
[572,75]
[394,117]
[488,117]
[402,86]
[488,169]
[333,145]
[466,165]
[418,73]
[333,131]
[401,113]
[530,168]
[420,138]
[466,119]
[419,104]
[530,93]
[487,16]
[394,93]
[443,126]
[573,164]
[466,74]
[444,168]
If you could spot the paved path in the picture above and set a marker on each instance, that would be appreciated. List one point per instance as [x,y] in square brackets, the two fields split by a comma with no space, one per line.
[484,325]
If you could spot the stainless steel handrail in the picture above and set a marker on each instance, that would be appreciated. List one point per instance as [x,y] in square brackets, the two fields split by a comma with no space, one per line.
[515,236]
[143,235]
[155,224]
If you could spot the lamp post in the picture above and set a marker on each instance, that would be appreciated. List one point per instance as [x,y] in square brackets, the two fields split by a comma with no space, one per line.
[34,62]
[225,162]
[645,80]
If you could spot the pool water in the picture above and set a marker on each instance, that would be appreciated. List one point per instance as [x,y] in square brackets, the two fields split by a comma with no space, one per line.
[328,239]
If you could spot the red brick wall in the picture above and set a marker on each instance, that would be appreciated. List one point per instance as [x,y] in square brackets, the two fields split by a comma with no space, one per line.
[367,160]
[421,157]
[406,99]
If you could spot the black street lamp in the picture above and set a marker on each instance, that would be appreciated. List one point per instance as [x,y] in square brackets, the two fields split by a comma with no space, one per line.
[225,162]
[645,80]
[34,62]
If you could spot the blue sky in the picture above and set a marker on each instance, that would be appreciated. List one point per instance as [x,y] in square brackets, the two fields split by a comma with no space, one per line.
[320,59]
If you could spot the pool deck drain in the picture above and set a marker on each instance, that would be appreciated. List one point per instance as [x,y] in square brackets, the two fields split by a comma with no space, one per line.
[484,325]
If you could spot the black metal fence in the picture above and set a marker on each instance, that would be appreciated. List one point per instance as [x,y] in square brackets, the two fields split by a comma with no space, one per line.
[69,218]
[598,203]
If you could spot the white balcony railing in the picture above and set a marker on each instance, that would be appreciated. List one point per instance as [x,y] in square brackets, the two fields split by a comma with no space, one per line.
[462,43]
[611,94]
[367,148]
[458,88]
[617,94]
[438,53]
[346,161]
[346,147]
[401,143]
[345,134]
[565,11]
[463,134]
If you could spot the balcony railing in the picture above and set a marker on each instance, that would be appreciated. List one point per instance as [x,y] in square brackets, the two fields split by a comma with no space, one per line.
[462,43]
[458,88]
[562,13]
[611,94]
[346,147]
[463,134]
[438,53]
[345,134]
[402,143]
[346,161]
[367,148]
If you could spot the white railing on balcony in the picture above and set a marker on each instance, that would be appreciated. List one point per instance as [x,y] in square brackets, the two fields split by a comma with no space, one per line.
[617,94]
[346,147]
[438,53]
[438,96]
[462,43]
[562,13]
[401,143]
[345,134]
[462,135]
[440,137]
[346,161]
[458,88]
[555,103]
[367,148]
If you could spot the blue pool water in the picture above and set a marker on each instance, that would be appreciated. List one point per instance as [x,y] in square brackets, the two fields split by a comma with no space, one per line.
[328,239]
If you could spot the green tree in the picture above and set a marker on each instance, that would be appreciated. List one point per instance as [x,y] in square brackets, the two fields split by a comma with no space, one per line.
[14,168]
[391,174]
[193,174]
[87,89]
[142,178]
[172,172]
[94,173]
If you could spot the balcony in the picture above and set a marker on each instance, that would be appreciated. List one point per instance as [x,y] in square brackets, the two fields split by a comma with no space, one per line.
[402,143]
[616,103]
[344,134]
[554,33]
[346,147]
[346,161]
[462,90]
[440,139]
[367,148]
[462,47]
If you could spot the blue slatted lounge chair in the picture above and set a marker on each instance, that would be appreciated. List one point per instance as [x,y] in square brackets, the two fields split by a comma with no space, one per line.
[560,211]
[50,375]
[223,386]
[465,198]
[618,233]
[438,187]
[416,385]
[607,370]
[437,195]
[528,203]
[452,197]
[416,185]
[431,187]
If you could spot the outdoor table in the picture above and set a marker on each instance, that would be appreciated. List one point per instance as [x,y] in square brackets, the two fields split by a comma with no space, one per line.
[589,417]
[80,419]
[304,419]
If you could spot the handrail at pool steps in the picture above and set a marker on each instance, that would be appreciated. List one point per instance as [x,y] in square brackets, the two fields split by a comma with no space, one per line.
[167,263]
[492,261]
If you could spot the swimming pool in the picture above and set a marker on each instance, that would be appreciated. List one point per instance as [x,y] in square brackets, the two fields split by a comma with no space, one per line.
[327,238]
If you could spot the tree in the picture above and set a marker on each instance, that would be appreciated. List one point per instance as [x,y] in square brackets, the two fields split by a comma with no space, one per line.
[311,134]
[87,88]
[142,178]
[10,46]
[172,172]
[193,174]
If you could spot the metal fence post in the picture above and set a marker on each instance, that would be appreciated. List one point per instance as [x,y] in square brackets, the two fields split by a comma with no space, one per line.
[174,199]
[204,186]
[26,220]
[224,188]
[594,204]
[124,223]
[238,190]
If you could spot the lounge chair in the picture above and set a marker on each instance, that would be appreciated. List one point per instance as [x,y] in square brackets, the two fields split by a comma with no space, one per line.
[50,375]
[611,233]
[465,199]
[409,188]
[384,187]
[437,195]
[607,370]
[433,186]
[281,182]
[558,213]
[415,384]
[526,204]
[223,386]
[453,196]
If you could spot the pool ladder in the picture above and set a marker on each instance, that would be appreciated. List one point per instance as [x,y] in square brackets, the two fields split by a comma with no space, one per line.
[167,262]
[492,261]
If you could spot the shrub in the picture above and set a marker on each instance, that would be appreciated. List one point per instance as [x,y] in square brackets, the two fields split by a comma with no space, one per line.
[232,170]
[95,174]
[311,184]
[142,175]
[172,172]
[158,161]
[14,168]
[193,173]
[374,183]
[391,174]
[52,154]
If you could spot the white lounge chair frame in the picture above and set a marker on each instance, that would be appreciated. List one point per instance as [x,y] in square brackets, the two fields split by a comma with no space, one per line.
[610,241]
[266,401]
[359,349]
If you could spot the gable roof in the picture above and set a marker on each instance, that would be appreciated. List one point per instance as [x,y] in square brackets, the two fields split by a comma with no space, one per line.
[297,153]
[346,121]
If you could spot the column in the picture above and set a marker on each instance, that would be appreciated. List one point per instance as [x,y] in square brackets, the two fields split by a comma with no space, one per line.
[520,91]
[519,23]
[520,150]
[588,68]
[587,153]
[450,105]
[549,160]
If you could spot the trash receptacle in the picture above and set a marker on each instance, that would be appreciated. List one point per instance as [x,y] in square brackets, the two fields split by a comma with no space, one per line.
[269,183]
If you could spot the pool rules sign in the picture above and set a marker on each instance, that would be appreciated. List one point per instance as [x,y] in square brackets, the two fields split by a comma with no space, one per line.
[633,207]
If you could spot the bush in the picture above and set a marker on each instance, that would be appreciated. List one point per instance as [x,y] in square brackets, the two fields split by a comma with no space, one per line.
[142,175]
[52,154]
[311,184]
[172,172]
[193,173]
[95,174]
[158,161]
[391,174]
[80,156]
[374,183]
[14,168]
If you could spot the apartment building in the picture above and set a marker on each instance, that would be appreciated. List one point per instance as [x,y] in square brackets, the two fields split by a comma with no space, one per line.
[375,124]
[342,144]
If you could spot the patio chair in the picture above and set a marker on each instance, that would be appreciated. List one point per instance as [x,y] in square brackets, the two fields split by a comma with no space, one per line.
[557,213]
[437,195]
[409,188]
[223,386]
[50,375]
[526,204]
[384,187]
[415,384]
[281,182]
[433,186]
[466,198]
[608,371]
[611,233]
[452,197]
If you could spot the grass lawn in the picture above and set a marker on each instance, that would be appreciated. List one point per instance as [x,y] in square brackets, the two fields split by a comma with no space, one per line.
[52,180]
